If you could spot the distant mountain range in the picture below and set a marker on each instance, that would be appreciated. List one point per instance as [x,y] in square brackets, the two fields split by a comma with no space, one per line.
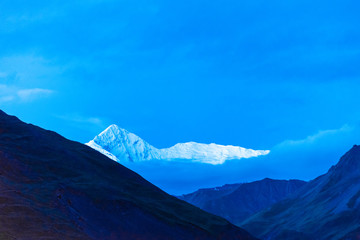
[237,202]
[54,188]
[121,145]
[327,207]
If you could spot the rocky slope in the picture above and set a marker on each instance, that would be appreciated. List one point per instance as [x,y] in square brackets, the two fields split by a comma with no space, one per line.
[328,207]
[237,202]
[54,188]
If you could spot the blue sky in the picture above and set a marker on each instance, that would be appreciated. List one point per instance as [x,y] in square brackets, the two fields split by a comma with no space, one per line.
[257,74]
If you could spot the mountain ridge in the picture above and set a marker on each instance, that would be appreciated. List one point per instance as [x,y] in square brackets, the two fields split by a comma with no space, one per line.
[327,207]
[119,144]
[55,188]
[237,202]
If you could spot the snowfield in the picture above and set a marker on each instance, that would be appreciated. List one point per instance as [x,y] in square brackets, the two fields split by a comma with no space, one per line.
[121,145]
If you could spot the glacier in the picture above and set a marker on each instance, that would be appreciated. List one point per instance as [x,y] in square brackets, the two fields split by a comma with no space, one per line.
[121,145]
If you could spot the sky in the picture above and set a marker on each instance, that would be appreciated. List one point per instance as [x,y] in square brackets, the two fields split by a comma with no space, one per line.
[278,75]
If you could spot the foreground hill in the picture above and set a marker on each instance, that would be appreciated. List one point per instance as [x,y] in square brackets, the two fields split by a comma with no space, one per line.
[121,145]
[53,188]
[236,202]
[325,208]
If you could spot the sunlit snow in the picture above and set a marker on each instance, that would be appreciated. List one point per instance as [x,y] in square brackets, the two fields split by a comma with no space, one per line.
[121,145]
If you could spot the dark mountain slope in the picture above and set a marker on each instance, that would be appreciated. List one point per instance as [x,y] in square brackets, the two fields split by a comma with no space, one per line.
[53,188]
[236,202]
[325,208]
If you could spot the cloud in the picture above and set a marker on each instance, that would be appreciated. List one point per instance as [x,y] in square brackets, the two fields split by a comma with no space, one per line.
[33,93]
[77,118]
[14,94]
[312,156]
[25,77]
[315,139]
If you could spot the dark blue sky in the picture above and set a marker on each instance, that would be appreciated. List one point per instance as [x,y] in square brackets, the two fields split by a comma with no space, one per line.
[257,74]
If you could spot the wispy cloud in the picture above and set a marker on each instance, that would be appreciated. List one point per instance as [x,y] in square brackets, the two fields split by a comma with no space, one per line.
[14,94]
[317,138]
[33,93]
[77,118]
[313,155]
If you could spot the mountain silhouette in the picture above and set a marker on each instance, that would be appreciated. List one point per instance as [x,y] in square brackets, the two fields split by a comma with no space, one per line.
[54,188]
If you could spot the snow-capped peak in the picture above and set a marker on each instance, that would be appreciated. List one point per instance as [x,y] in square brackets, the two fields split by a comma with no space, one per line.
[121,145]
[118,142]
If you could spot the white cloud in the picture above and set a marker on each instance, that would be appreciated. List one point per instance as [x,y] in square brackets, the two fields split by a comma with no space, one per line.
[76,118]
[33,93]
[317,138]
[14,94]
[22,75]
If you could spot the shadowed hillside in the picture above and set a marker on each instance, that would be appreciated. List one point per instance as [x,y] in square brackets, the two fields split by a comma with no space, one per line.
[325,208]
[236,202]
[53,188]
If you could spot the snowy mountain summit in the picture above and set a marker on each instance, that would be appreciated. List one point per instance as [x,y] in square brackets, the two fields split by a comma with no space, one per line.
[121,145]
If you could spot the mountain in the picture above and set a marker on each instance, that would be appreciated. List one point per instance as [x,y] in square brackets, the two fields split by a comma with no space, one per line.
[54,188]
[236,202]
[327,207]
[119,144]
